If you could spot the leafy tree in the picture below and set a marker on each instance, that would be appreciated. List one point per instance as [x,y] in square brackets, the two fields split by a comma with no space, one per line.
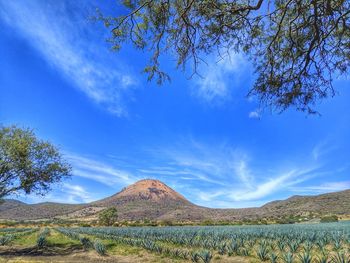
[297,47]
[329,218]
[108,217]
[27,163]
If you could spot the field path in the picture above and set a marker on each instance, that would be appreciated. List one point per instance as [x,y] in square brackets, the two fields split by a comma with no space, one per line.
[91,257]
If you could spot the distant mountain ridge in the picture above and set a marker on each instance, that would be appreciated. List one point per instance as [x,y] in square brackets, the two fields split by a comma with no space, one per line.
[10,203]
[154,200]
[335,203]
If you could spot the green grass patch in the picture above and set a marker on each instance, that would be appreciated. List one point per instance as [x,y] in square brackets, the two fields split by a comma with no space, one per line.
[57,239]
[27,240]
[122,249]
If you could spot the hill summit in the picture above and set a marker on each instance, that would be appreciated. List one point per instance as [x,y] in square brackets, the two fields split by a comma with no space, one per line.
[145,191]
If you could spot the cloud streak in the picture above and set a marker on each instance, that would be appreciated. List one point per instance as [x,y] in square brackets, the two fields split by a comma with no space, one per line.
[76,194]
[99,171]
[216,77]
[273,185]
[66,193]
[254,114]
[63,39]
[323,148]
[228,176]
[324,187]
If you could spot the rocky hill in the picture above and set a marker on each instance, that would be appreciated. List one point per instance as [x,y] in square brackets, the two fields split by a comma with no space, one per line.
[153,200]
[145,190]
[332,203]
[10,204]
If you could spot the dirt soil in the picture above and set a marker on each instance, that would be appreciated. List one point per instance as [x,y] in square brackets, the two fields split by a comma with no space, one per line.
[77,255]
[91,257]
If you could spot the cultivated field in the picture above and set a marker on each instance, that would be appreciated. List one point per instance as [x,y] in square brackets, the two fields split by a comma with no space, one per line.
[305,243]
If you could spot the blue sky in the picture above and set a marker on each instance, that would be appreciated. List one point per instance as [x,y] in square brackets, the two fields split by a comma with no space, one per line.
[201,135]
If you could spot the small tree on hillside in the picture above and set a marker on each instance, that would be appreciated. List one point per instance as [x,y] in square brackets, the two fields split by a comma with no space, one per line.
[108,216]
[27,163]
[329,219]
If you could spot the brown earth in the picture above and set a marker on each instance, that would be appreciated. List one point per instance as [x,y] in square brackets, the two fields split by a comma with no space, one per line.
[17,255]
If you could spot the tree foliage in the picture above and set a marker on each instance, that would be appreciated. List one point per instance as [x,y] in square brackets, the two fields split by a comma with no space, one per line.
[108,217]
[329,218]
[27,163]
[297,47]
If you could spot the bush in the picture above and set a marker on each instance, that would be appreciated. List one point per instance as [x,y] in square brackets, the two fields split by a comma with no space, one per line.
[205,255]
[4,240]
[41,241]
[329,219]
[108,216]
[85,242]
[99,247]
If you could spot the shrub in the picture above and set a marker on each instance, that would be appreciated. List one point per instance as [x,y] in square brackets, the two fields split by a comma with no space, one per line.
[288,257]
[99,247]
[273,257]
[329,219]
[305,258]
[222,249]
[4,240]
[262,253]
[85,242]
[322,259]
[195,257]
[206,256]
[108,216]
[340,257]
[41,240]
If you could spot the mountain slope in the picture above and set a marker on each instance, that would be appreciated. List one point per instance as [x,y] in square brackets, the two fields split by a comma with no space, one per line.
[149,199]
[145,190]
[39,211]
[331,203]
[10,203]
[154,200]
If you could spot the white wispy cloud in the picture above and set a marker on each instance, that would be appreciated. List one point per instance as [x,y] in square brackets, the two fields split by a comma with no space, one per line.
[322,148]
[220,199]
[242,171]
[99,171]
[235,195]
[77,193]
[324,187]
[65,193]
[275,184]
[217,77]
[232,176]
[181,173]
[64,39]
[254,114]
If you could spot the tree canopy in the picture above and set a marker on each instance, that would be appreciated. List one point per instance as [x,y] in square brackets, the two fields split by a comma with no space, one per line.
[27,163]
[108,217]
[297,47]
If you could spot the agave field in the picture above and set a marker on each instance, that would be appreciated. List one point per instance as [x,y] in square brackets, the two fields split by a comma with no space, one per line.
[305,243]
[9,234]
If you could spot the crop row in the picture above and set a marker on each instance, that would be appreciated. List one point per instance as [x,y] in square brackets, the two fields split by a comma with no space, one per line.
[13,230]
[6,239]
